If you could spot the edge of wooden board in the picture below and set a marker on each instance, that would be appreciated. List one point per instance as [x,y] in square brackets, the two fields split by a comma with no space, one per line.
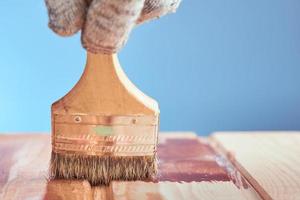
[216,139]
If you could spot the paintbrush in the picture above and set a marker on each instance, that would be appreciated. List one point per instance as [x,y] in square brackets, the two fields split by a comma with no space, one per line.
[104,129]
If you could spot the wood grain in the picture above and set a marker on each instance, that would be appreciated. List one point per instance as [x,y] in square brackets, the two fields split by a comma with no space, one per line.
[189,169]
[270,161]
[24,161]
[176,190]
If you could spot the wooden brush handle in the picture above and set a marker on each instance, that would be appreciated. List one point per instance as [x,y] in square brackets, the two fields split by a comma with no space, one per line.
[104,89]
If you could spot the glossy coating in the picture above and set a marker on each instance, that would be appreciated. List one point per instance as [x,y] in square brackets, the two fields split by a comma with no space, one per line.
[188,169]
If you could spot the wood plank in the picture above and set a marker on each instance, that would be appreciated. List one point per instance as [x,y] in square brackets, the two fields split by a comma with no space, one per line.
[180,190]
[189,169]
[269,160]
[24,161]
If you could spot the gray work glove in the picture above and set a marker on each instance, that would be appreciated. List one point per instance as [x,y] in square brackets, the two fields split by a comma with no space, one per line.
[105,24]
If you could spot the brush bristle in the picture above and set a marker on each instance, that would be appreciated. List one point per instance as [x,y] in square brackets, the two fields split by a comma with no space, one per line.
[101,170]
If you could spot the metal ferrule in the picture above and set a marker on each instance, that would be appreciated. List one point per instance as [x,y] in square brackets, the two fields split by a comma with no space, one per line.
[104,135]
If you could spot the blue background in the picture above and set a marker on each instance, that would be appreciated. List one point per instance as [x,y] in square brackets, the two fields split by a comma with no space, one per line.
[215,65]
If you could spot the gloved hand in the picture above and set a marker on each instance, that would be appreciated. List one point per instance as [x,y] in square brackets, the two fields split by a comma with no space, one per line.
[105,24]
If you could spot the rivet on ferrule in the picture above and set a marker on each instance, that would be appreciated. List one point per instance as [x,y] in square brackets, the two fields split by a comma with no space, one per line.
[77,119]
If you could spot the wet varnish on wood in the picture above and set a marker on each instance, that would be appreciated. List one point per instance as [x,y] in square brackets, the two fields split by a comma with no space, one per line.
[188,169]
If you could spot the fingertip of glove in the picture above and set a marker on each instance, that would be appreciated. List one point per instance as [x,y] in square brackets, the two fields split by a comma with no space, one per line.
[63,30]
[108,25]
[66,17]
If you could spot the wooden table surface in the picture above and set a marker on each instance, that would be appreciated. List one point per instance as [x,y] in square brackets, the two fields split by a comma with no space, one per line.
[223,166]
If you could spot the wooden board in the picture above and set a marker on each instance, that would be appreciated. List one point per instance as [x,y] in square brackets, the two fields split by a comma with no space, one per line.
[270,161]
[189,169]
